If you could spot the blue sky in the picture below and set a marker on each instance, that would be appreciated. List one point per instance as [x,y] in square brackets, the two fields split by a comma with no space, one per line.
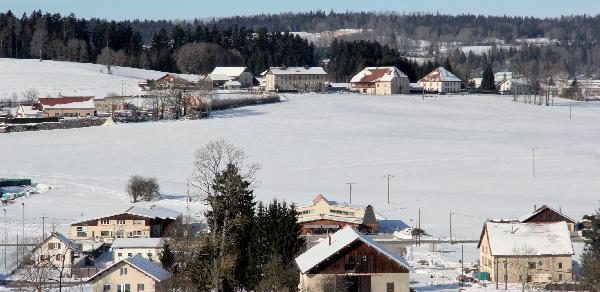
[188,9]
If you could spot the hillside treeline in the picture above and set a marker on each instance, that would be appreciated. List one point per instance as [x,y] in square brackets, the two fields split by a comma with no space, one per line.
[57,37]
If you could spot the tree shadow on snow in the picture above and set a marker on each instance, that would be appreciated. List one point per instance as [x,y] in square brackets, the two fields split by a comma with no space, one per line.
[234,113]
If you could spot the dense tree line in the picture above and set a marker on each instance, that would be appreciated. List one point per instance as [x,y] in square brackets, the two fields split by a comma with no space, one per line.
[347,58]
[427,26]
[56,37]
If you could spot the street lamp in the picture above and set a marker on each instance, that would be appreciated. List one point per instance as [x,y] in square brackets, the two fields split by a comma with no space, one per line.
[5,238]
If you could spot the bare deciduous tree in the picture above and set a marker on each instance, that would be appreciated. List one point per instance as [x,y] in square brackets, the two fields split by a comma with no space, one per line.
[523,264]
[142,188]
[39,40]
[106,58]
[31,94]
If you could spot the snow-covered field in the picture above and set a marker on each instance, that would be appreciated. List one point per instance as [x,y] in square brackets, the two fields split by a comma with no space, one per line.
[54,77]
[470,155]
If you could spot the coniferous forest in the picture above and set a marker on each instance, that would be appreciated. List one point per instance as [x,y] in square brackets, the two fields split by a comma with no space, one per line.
[261,41]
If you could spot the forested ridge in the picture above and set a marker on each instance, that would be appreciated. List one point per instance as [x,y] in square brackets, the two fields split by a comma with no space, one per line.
[261,41]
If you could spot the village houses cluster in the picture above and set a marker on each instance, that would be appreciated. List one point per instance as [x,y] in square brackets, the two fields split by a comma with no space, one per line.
[122,251]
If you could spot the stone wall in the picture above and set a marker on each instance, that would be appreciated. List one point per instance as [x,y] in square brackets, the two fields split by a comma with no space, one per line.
[62,124]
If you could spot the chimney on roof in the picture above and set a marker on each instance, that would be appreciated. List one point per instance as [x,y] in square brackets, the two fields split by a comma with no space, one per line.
[329,239]
[534,208]
[305,66]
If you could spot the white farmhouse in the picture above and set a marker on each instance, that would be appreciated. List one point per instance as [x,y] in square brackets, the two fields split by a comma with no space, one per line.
[220,75]
[149,248]
[440,80]
[298,79]
[380,81]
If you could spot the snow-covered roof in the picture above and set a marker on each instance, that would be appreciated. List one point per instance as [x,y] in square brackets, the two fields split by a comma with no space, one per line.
[330,217]
[219,77]
[88,104]
[138,242]
[541,209]
[377,74]
[510,239]
[440,74]
[68,242]
[297,71]
[339,85]
[189,77]
[142,264]
[229,71]
[339,240]
[320,197]
[154,212]
[233,83]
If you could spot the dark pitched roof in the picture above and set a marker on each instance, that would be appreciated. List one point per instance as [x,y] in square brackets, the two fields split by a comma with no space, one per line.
[52,101]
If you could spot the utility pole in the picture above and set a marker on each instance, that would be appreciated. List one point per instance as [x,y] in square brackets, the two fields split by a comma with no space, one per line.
[451,227]
[462,263]
[419,226]
[23,239]
[533,160]
[350,184]
[388,176]
[44,226]
[505,274]
[5,239]
[571,109]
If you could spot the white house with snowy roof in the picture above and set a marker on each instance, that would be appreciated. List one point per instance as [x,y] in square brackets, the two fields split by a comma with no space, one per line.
[440,80]
[130,274]
[56,251]
[362,263]
[380,81]
[518,252]
[221,75]
[296,79]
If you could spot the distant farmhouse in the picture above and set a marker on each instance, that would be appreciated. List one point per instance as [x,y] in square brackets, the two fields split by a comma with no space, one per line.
[66,106]
[175,81]
[295,79]
[134,222]
[380,81]
[325,216]
[348,256]
[229,77]
[513,86]
[526,252]
[535,247]
[440,80]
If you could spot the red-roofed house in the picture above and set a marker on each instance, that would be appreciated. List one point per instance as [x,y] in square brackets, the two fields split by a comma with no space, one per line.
[380,81]
[67,106]
[440,80]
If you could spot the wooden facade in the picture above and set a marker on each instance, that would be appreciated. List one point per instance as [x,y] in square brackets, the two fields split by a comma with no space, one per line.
[322,226]
[547,215]
[358,258]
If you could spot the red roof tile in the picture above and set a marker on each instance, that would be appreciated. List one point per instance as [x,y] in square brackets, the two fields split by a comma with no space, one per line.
[63,100]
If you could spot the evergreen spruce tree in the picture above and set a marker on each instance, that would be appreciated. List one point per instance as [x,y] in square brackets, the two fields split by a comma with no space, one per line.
[167,258]
[487,83]
[590,259]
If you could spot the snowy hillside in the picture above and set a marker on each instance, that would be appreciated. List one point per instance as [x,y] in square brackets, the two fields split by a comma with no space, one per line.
[467,154]
[68,78]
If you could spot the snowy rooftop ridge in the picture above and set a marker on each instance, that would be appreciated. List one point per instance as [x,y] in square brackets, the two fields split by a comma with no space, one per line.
[339,240]
[229,71]
[138,242]
[539,210]
[153,212]
[142,264]
[297,71]
[440,74]
[68,242]
[378,74]
[509,239]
